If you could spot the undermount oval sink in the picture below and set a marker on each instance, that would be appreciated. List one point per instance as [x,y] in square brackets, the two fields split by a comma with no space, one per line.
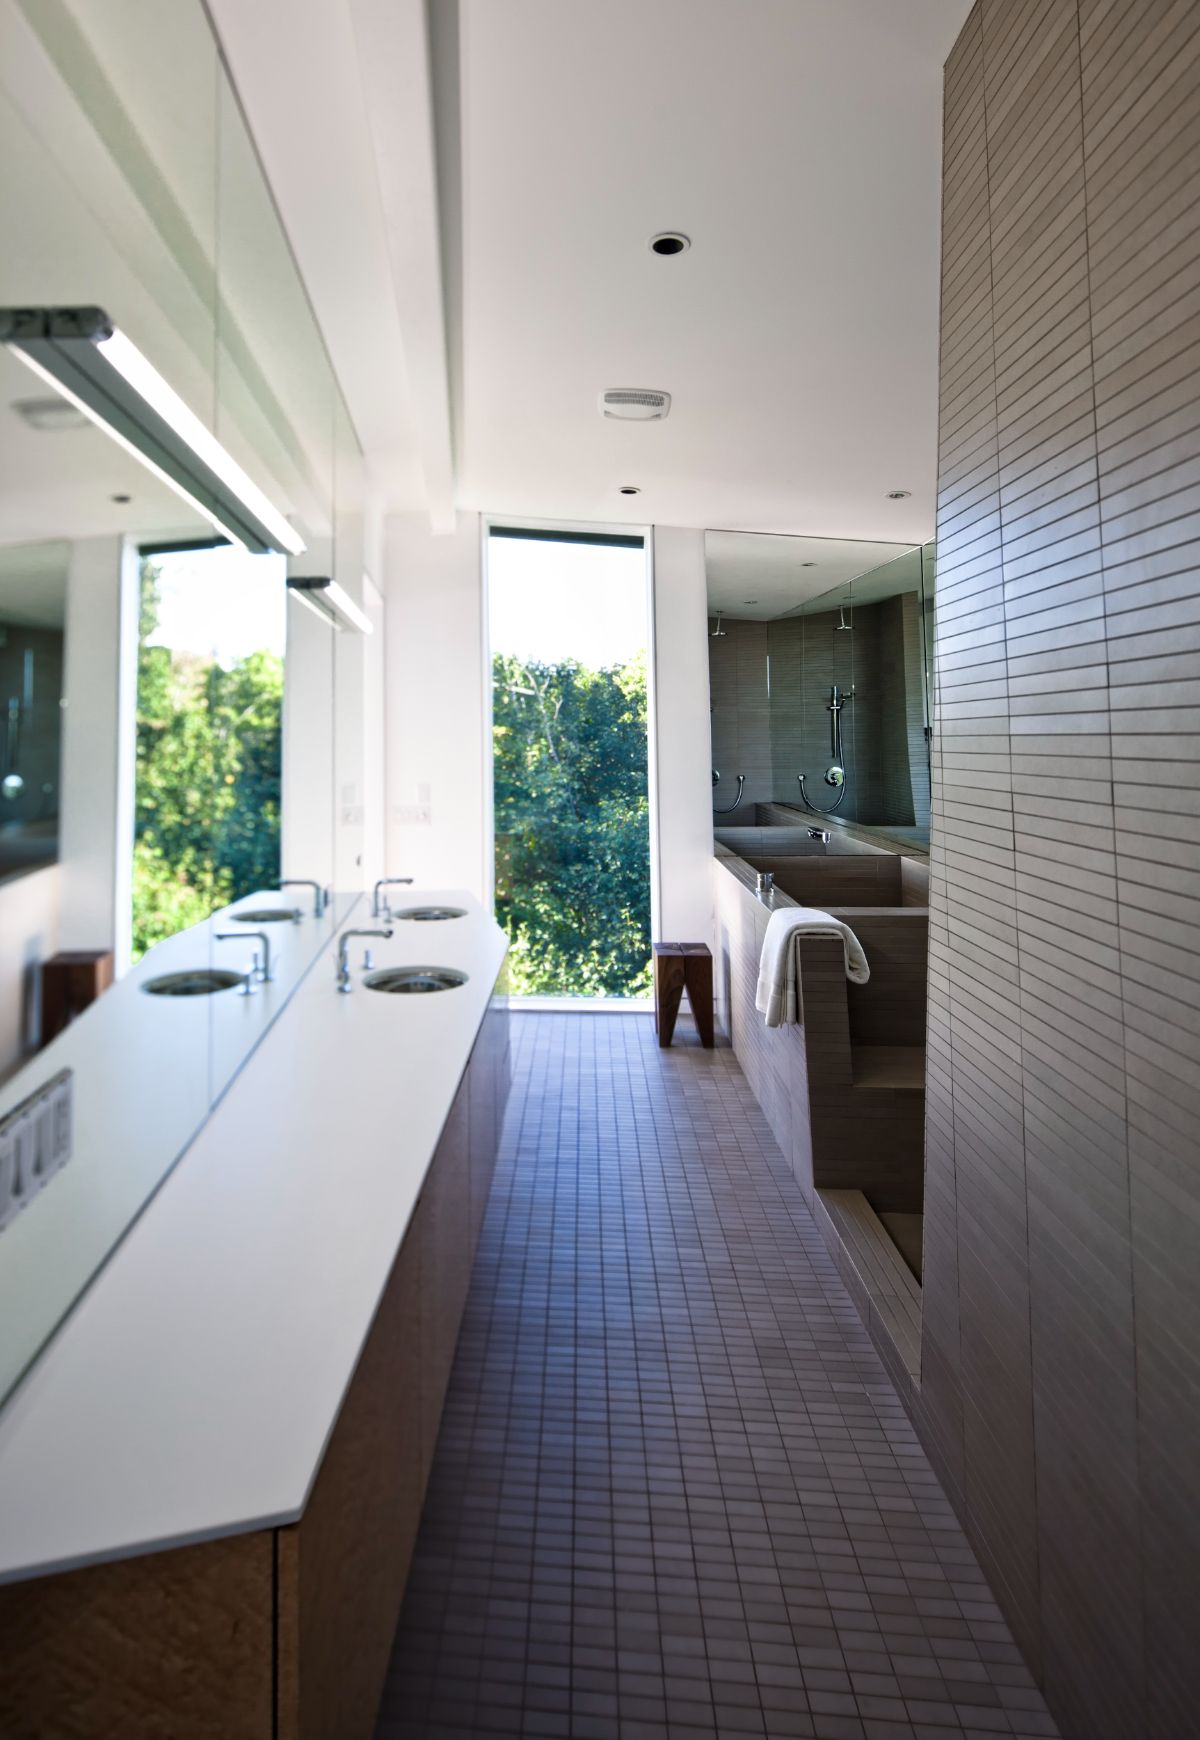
[414,981]
[429,914]
[195,982]
[269,915]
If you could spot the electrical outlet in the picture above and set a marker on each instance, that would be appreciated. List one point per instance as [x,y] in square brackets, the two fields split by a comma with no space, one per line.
[412,815]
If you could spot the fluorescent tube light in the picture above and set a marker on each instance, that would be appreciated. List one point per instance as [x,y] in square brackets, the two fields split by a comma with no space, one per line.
[331,601]
[307,600]
[82,355]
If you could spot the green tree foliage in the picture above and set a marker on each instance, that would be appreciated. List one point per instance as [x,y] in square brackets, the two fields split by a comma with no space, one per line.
[207,798]
[572,827]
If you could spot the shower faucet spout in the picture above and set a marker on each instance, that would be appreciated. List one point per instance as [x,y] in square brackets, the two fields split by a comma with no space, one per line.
[729,808]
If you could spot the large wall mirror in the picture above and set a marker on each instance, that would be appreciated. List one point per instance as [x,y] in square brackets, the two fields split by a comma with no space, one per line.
[173,744]
[819,685]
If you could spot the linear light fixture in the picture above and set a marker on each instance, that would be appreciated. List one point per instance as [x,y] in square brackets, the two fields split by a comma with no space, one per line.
[330,601]
[80,353]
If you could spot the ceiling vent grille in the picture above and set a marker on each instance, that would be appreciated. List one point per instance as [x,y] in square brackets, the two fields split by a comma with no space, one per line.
[50,414]
[635,404]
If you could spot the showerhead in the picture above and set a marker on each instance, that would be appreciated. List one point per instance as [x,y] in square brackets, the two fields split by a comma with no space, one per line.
[718,632]
[842,623]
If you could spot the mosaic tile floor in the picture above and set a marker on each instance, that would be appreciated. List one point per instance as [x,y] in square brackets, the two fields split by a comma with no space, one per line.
[675,1494]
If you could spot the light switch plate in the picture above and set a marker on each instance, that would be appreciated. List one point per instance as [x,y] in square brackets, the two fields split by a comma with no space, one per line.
[35,1142]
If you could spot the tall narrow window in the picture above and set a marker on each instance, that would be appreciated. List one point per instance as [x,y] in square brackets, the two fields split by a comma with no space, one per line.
[569,617]
[209,720]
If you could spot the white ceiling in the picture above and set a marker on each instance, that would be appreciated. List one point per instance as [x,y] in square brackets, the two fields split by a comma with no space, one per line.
[143,193]
[362,222]
[759,576]
[60,483]
[796,141]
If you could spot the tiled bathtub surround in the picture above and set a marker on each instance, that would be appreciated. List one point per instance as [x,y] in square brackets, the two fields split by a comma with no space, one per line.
[1061,1376]
[843,1089]
[675,1495]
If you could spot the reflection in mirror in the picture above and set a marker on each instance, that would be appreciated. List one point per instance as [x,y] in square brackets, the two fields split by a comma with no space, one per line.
[209,734]
[33,598]
[166,724]
[73,1025]
[818,682]
[276,401]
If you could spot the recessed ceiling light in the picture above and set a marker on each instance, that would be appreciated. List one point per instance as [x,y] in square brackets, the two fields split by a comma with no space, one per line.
[670,242]
[630,489]
[749,600]
[808,564]
[120,499]
[898,494]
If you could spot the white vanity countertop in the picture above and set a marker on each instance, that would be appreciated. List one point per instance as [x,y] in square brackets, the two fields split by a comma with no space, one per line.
[191,1391]
[146,1072]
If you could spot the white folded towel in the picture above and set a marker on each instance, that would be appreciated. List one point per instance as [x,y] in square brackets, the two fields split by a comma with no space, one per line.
[779,968]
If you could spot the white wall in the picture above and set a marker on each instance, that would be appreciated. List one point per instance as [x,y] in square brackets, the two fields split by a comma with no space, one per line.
[99,682]
[83,901]
[683,755]
[374,751]
[436,716]
[333,703]
[306,844]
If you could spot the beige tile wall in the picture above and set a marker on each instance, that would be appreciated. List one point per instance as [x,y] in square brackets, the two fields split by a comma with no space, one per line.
[1060,1382]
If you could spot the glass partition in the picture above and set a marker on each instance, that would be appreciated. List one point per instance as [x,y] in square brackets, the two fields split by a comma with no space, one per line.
[166,703]
[819,683]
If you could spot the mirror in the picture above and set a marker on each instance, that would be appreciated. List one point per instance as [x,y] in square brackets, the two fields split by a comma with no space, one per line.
[167,704]
[33,617]
[818,683]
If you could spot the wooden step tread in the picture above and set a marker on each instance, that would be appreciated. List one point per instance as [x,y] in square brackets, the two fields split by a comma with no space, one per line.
[898,1067]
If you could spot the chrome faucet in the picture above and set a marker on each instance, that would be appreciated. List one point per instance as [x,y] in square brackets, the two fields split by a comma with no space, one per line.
[384,911]
[320,895]
[344,981]
[261,972]
[821,834]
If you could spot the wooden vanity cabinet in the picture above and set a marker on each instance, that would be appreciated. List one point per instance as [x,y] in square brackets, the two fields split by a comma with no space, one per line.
[281,1634]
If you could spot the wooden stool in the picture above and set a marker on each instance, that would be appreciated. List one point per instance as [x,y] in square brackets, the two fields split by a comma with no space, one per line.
[680,967]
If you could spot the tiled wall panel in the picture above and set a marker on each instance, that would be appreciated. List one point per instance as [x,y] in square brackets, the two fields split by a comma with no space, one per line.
[1060,1382]
[769,688]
